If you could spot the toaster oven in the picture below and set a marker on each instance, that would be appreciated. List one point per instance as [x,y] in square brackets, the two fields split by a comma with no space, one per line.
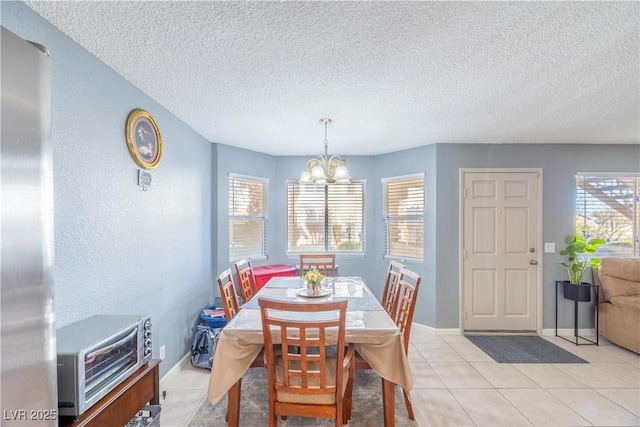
[95,355]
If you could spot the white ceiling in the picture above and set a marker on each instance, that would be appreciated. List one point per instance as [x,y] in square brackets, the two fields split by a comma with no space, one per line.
[391,75]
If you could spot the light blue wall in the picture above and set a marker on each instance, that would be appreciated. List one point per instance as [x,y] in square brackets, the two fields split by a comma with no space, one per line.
[119,249]
[407,162]
[372,266]
[439,295]
[559,164]
[361,168]
[245,162]
[279,170]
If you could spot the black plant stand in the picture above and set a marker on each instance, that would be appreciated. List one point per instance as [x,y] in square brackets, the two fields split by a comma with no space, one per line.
[576,338]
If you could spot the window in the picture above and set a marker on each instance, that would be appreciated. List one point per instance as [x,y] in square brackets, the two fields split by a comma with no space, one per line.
[404,216]
[247,217]
[325,218]
[608,206]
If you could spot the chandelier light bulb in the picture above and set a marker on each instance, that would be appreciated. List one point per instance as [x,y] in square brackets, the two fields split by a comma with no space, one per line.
[305,177]
[341,173]
[317,173]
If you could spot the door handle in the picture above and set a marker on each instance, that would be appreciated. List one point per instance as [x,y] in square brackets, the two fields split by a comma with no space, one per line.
[533,262]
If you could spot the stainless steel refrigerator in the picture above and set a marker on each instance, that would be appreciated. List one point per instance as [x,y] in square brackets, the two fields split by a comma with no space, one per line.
[28,392]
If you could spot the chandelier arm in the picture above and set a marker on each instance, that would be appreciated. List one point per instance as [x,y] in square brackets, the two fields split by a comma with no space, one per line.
[335,157]
[322,160]
[319,160]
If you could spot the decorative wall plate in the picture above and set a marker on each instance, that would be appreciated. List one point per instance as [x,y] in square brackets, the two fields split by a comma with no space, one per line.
[143,139]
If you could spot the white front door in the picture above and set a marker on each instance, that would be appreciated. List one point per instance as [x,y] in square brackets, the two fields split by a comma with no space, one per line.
[500,250]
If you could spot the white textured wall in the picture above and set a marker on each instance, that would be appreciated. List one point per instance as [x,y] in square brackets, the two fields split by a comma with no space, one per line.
[259,75]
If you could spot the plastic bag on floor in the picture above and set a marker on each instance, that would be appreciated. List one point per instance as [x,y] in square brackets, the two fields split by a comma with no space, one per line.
[203,345]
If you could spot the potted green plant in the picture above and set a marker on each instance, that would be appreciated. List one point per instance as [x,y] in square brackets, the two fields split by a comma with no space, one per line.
[579,253]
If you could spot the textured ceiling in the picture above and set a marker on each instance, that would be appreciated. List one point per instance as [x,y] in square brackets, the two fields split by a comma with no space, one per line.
[392,75]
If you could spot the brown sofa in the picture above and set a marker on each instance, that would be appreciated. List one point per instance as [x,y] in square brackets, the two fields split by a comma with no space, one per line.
[619,305]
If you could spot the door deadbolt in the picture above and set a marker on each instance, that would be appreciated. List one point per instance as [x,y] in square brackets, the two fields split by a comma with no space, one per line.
[532,250]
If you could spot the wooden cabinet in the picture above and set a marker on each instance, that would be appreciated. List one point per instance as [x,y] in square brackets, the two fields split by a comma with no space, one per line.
[124,402]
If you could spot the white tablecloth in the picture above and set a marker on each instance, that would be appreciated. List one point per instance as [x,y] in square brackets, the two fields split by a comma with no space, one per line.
[369,327]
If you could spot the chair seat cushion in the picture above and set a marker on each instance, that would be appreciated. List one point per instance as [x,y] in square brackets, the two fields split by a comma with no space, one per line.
[317,399]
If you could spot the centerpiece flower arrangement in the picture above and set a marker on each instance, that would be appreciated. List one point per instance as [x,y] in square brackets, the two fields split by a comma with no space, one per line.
[313,279]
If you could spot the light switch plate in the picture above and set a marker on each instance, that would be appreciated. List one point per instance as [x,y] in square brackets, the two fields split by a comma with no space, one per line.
[549,248]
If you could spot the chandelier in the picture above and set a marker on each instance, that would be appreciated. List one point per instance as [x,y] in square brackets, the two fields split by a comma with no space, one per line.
[323,169]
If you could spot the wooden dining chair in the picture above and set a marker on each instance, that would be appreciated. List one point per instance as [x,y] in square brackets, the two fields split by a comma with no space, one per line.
[228,294]
[231,305]
[314,381]
[406,305]
[405,297]
[324,263]
[247,279]
[391,286]
[388,301]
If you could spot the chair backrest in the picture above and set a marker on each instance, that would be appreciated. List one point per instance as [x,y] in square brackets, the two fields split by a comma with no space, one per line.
[248,289]
[324,263]
[302,331]
[228,294]
[407,297]
[391,288]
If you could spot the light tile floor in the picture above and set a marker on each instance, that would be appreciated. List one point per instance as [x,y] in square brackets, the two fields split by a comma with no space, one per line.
[456,384]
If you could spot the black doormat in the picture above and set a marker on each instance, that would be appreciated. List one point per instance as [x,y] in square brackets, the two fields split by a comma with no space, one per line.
[522,349]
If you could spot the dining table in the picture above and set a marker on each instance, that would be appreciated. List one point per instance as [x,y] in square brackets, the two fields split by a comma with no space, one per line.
[368,326]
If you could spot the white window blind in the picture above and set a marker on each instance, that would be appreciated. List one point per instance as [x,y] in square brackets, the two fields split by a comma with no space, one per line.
[608,207]
[404,216]
[247,217]
[325,218]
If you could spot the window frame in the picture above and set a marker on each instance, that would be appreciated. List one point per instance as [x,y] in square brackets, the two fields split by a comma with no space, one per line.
[635,210]
[327,237]
[262,218]
[386,218]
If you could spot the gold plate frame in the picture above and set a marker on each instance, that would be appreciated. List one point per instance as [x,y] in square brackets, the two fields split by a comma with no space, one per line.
[143,139]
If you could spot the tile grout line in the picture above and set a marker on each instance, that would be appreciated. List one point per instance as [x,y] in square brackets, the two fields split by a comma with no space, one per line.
[587,387]
[612,358]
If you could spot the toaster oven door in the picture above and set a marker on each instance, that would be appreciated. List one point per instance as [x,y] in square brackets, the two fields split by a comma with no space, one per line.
[107,365]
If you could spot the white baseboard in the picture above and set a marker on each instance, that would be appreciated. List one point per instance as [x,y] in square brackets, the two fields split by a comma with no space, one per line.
[441,331]
[565,332]
[448,331]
